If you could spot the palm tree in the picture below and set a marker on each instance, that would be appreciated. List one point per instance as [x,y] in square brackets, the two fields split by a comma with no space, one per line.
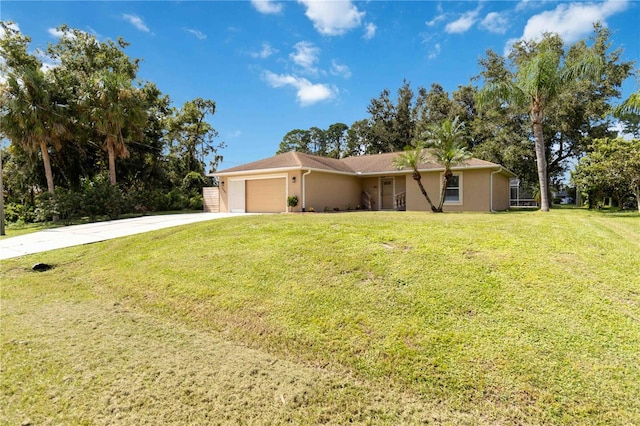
[448,149]
[411,158]
[538,81]
[30,117]
[629,106]
[115,106]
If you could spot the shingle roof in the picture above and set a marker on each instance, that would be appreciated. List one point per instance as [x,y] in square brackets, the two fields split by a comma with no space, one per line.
[363,164]
[379,163]
[292,160]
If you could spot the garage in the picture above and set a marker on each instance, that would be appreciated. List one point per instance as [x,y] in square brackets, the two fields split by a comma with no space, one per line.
[266,195]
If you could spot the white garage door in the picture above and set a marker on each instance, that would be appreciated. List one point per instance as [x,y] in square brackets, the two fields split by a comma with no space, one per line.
[236,196]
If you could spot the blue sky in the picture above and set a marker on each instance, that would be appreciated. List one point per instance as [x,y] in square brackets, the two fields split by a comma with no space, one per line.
[274,66]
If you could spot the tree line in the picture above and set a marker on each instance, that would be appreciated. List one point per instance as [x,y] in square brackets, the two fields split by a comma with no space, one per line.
[536,111]
[87,137]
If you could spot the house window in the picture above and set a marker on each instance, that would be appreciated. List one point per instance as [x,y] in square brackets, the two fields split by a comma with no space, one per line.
[453,194]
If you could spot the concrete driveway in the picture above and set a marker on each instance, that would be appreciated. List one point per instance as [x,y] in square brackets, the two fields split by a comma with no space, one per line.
[76,235]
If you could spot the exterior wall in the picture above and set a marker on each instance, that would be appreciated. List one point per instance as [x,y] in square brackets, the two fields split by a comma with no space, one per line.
[475,192]
[476,188]
[370,184]
[501,192]
[295,188]
[223,197]
[329,190]
[415,199]
[401,183]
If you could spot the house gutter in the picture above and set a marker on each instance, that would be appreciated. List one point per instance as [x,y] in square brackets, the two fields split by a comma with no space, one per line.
[304,191]
[491,189]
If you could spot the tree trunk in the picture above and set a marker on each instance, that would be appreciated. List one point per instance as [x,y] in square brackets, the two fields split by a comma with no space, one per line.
[48,174]
[47,167]
[541,160]
[443,191]
[418,179]
[112,164]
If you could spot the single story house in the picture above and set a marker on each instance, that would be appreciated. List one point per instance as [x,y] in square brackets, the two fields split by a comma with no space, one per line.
[369,182]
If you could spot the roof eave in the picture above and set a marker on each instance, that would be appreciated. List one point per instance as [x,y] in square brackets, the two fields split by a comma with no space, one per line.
[496,167]
[438,169]
[255,171]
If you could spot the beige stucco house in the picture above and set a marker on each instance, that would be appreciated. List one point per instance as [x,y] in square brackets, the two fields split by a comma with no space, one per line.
[367,182]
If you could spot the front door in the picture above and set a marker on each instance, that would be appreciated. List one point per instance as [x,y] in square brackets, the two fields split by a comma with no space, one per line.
[386,194]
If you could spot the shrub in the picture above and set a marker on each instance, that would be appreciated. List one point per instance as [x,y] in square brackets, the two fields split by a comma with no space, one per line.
[195,202]
[45,207]
[67,204]
[193,182]
[175,200]
[114,203]
[14,212]
[292,201]
[100,198]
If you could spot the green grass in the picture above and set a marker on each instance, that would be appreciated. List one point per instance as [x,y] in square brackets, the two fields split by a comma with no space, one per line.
[386,318]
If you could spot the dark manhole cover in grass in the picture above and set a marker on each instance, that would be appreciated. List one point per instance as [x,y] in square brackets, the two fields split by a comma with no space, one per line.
[41,267]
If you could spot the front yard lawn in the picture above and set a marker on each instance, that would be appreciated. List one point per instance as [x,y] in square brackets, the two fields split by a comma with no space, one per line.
[384,318]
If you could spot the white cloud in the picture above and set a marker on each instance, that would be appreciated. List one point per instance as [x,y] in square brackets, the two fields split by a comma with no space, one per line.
[530,4]
[333,18]
[56,32]
[435,51]
[508,46]
[14,27]
[307,92]
[369,31]
[268,7]
[197,33]
[46,66]
[435,20]
[571,21]
[92,31]
[266,51]
[463,23]
[427,37]
[306,55]
[524,4]
[620,129]
[495,22]
[136,21]
[11,25]
[340,70]
[234,134]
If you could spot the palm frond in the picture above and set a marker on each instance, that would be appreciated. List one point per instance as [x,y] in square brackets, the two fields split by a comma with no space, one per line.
[589,66]
[629,106]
